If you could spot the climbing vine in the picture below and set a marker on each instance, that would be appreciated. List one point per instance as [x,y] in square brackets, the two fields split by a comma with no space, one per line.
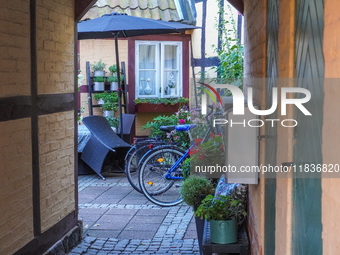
[230,54]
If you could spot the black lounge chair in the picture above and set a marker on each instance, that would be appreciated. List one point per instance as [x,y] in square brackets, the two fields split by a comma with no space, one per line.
[103,142]
[128,120]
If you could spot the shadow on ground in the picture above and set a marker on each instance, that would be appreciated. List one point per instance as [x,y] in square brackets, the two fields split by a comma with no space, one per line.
[119,220]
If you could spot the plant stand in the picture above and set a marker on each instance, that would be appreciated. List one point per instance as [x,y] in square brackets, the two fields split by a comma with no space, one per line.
[199,229]
[240,247]
[91,89]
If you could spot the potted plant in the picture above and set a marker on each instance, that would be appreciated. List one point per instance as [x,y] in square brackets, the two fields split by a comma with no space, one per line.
[114,122]
[99,98]
[114,81]
[98,68]
[194,189]
[110,104]
[113,70]
[222,212]
[99,83]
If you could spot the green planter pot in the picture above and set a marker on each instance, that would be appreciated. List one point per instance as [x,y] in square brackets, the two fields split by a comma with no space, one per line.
[223,231]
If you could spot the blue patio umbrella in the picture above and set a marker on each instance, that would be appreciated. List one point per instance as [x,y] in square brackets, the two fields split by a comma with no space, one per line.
[116,25]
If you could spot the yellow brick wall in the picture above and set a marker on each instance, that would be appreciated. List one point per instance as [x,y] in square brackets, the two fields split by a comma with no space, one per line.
[104,49]
[15,185]
[14,48]
[55,46]
[55,66]
[93,51]
[56,159]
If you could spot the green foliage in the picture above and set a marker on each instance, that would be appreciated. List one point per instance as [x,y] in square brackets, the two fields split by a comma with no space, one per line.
[230,69]
[100,66]
[115,78]
[180,117]
[208,153]
[194,188]
[220,208]
[159,121]
[110,100]
[113,69]
[99,79]
[186,168]
[113,121]
[165,101]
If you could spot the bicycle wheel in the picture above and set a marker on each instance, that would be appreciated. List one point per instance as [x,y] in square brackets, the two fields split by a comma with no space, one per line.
[153,179]
[131,169]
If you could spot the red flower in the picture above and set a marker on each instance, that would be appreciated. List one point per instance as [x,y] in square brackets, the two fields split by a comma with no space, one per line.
[202,156]
[181,121]
[192,152]
[198,141]
[212,135]
[222,148]
[150,146]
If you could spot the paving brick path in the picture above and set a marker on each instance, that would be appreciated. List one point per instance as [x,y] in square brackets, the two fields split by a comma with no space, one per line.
[119,220]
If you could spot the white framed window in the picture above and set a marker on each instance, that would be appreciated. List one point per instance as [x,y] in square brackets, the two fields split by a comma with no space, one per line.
[158,69]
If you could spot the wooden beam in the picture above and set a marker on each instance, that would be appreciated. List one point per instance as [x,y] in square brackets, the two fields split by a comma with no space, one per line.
[238,5]
[82,7]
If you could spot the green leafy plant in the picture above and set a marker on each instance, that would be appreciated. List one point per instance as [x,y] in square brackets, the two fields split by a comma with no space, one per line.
[180,117]
[209,153]
[221,208]
[99,79]
[98,66]
[115,78]
[113,121]
[113,69]
[171,101]
[82,108]
[186,168]
[157,122]
[110,100]
[194,189]
[230,54]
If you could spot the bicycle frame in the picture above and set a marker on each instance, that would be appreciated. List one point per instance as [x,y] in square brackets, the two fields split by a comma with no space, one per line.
[186,154]
[174,166]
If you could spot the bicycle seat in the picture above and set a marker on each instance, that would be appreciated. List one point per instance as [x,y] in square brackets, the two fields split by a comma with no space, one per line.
[167,128]
[185,127]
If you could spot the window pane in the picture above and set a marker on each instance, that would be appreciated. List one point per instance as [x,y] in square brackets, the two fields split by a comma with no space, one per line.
[147,83]
[170,56]
[170,83]
[147,56]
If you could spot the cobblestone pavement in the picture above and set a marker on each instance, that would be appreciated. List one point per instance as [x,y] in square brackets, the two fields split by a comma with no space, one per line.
[119,220]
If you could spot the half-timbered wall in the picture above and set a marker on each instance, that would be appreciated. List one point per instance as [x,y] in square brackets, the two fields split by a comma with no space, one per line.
[38,195]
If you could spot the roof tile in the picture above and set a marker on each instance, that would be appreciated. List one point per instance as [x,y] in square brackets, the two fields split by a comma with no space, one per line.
[153,9]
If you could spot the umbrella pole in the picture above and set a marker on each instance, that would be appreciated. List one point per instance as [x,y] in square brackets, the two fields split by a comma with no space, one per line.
[119,92]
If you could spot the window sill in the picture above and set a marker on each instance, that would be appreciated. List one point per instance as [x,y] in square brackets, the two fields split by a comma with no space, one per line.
[148,107]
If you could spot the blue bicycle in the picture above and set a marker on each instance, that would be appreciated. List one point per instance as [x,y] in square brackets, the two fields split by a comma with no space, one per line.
[160,173]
